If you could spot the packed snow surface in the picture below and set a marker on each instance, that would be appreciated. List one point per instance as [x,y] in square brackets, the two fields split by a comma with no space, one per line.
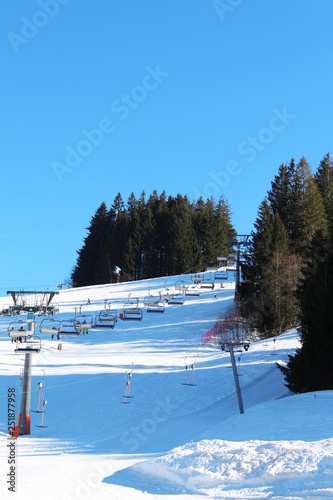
[149,409]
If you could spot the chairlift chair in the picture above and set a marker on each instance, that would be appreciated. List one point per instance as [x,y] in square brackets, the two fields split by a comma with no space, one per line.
[176,298]
[68,327]
[17,329]
[221,275]
[181,286]
[49,326]
[165,294]
[29,343]
[192,291]
[236,346]
[106,319]
[84,321]
[148,299]
[132,313]
[208,284]
[197,278]
[155,307]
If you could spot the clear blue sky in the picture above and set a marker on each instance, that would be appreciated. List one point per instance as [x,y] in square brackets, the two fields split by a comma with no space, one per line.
[197,97]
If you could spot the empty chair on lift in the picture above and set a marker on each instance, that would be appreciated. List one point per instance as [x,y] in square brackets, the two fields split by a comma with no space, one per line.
[221,275]
[106,319]
[176,298]
[131,312]
[155,307]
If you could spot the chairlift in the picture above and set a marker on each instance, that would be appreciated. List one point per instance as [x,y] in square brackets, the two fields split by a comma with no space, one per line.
[176,298]
[181,286]
[155,307]
[106,319]
[17,335]
[208,284]
[221,275]
[84,321]
[165,294]
[148,299]
[197,278]
[18,329]
[235,346]
[49,326]
[192,291]
[132,313]
[68,327]
[27,344]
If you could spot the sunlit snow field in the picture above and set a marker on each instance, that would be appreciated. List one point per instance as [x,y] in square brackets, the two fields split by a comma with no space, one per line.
[181,432]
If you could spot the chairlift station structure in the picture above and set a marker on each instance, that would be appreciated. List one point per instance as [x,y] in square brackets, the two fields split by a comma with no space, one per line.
[42,300]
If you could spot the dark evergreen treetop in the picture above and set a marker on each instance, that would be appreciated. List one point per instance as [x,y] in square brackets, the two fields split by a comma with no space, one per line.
[94,242]
[324,181]
[153,236]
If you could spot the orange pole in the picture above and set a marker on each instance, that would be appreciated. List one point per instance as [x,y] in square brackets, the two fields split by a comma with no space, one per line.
[19,423]
[27,422]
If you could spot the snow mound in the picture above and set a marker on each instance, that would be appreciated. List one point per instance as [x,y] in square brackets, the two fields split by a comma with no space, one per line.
[211,467]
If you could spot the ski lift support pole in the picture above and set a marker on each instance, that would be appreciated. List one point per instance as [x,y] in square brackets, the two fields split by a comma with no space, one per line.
[234,369]
[238,241]
[24,415]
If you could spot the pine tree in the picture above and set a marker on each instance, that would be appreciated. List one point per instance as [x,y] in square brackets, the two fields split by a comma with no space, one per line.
[311,368]
[280,195]
[162,220]
[324,181]
[88,267]
[210,234]
[295,197]
[259,251]
[117,237]
[224,228]
[199,224]
[289,218]
[271,302]
[148,231]
[136,242]
[182,251]
[256,259]
[307,209]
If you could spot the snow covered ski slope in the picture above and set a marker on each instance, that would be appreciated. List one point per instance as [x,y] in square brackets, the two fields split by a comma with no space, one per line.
[146,410]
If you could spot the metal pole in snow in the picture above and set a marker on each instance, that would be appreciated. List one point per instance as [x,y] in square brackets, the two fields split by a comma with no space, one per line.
[238,390]
[24,415]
